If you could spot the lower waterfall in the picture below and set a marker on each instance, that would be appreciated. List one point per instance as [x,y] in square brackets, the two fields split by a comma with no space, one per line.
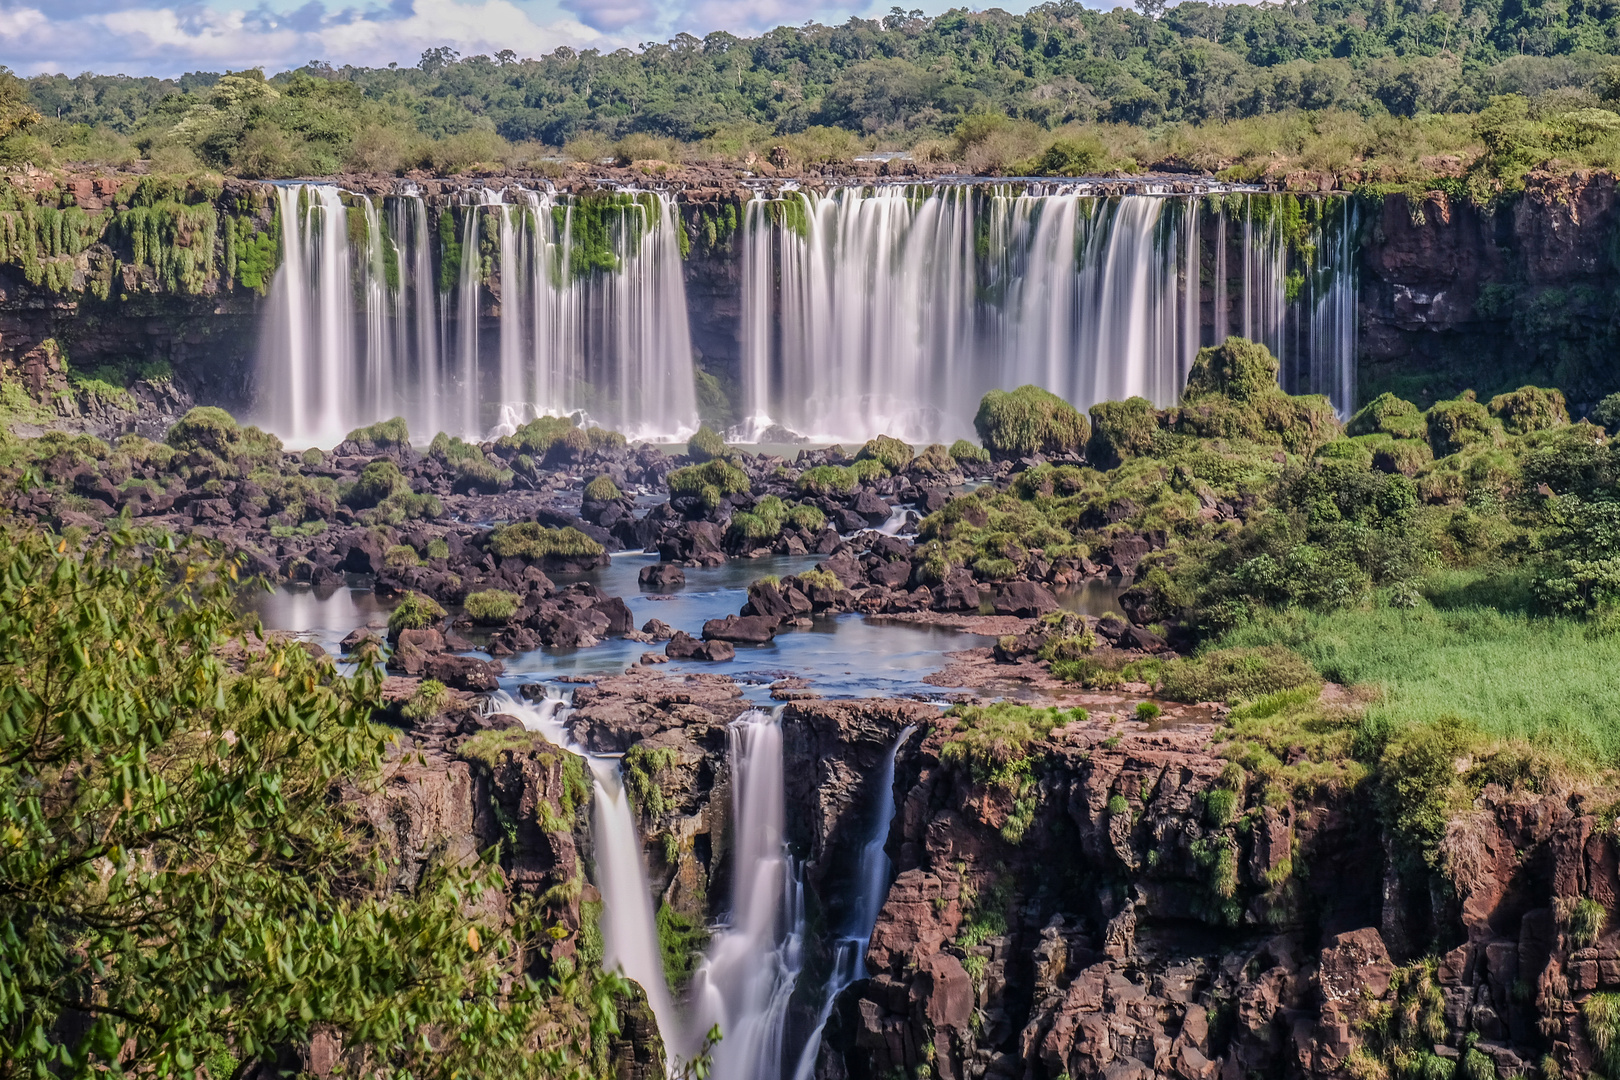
[872,887]
[752,966]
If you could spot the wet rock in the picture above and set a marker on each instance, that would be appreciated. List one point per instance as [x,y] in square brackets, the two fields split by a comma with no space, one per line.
[662,577]
[357,637]
[683,646]
[463,672]
[411,652]
[742,629]
[872,508]
[657,629]
[776,601]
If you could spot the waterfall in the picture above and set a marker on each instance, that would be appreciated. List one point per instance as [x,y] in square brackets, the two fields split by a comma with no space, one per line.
[629,928]
[521,329]
[872,888]
[895,308]
[752,966]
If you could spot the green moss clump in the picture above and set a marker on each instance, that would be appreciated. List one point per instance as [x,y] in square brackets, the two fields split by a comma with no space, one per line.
[718,476]
[934,460]
[1121,429]
[827,480]
[1029,420]
[469,466]
[400,557]
[385,435]
[1454,425]
[762,524]
[1530,408]
[534,542]
[415,612]
[807,517]
[705,445]
[378,481]
[602,489]
[681,940]
[969,453]
[206,428]
[1389,415]
[645,770]
[429,700]
[892,454]
[491,606]
[1238,369]
[438,549]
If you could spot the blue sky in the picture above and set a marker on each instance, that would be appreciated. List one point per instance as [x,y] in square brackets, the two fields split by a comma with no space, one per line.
[168,37]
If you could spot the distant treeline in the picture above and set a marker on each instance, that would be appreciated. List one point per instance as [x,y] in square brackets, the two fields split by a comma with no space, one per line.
[903,81]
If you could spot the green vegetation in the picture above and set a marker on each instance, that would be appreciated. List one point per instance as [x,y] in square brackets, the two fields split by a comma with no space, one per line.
[705,445]
[491,607]
[602,489]
[993,742]
[175,826]
[709,482]
[892,454]
[535,542]
[1581,919]
[969,453]
[681,940]
[827,480]
[1029,420]
[415,612]
[428,701]
[1236,674]
[470,467]
[645,770]
[555,437]
[382,436]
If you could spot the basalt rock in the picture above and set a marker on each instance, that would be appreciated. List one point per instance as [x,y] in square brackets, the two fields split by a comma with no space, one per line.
[662,577]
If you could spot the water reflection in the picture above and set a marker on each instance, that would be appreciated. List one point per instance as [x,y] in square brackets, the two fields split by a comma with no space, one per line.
[841,656]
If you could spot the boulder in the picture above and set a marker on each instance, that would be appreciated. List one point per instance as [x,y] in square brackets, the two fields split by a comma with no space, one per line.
[958,592]
[747,629]
[662,577]
[355,638]
[658,629]
[692,541]
[683,646]
[1025,599]
[872,508]
[620,621]
[775,601]
[463,672]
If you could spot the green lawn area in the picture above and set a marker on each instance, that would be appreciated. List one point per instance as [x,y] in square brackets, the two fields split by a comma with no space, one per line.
[1553,682]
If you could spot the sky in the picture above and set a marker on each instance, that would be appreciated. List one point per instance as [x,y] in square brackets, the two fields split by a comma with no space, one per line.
[170,37]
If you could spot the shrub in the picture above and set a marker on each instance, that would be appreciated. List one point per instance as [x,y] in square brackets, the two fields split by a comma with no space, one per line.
[892,453]
[205,427]
[1238,369]
[378,481]
[705,445]
[1387,414]
[387,435]
[1452,425]
[934,460]
[492,606]
[429,700]
[818,578]
[1121,429]
[807,517]
[1581,919]
[1147,711]
[1070,157]
[438,549]
[1117,805]
[532,541]
[965,452]
[401,556]
[868,470]
[602,489]
[1607,413]
[827,480]
[722,476]
[1029,420]
[1530,408]
[1236,674]
[415,612]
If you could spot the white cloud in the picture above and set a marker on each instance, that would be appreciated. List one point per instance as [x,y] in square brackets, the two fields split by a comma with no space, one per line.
[168,40]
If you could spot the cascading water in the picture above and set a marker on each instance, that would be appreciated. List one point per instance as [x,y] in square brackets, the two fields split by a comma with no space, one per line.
[893,309]
[871,889]
[358,330]
[748,976]
[629,930]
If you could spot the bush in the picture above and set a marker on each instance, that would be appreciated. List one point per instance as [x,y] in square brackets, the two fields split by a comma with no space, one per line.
[534,542]
[1581,919]
[934,460]
[705,445]
[428,701]
[807,517]
[415,612]
[892,453]
[966,452]
[1070,157]
[602,489]
[1238,369]
[718,477]
[1530,408]
[1389,415]
[378,481]
[1121,429]
[492,606]
[387,435]
[1236,674]
[1029,420]
[205,428]
[1452,425]
[1607,413]
[401,556]
[827,480]
[868,471]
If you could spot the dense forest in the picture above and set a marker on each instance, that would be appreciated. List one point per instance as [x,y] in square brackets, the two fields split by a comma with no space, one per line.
[1127,83]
